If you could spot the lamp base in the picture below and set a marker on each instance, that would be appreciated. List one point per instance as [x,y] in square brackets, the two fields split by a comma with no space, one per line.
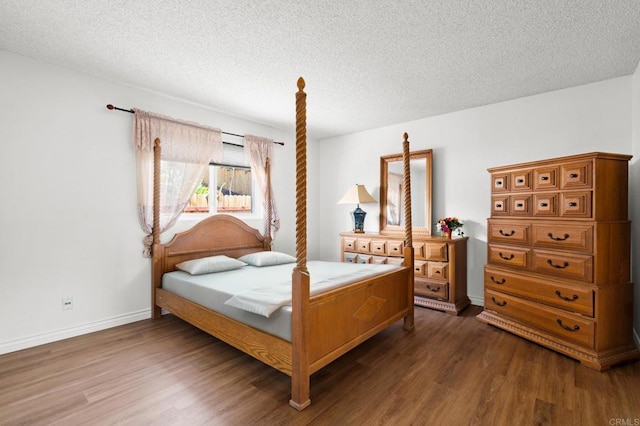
[358,220]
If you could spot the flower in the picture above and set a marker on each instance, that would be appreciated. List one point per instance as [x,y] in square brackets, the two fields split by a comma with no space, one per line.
[450,224]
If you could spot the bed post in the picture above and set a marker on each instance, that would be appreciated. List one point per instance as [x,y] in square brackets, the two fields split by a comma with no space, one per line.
[408,231]
[156,271]
[300,279]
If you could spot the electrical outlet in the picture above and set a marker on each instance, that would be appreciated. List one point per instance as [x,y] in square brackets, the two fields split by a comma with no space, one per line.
[67,303]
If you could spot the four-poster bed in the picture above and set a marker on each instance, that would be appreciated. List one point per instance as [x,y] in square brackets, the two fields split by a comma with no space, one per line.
[324,325]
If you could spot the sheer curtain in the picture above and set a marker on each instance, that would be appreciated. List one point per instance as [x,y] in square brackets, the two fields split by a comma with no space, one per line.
[257,149]
[186,151]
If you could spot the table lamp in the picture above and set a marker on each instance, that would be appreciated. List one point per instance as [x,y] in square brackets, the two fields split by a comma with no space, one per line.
[357,194]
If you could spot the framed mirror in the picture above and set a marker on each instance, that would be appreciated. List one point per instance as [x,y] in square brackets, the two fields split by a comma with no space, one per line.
[391,193]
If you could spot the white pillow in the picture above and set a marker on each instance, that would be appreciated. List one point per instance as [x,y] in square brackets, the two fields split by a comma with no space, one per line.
[207,265]
[267,258]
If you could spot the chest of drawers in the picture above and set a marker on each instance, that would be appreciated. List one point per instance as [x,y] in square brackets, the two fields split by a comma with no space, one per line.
[558,256]
[440,265]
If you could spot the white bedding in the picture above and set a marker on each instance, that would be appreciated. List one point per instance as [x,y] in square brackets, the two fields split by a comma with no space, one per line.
[248,282]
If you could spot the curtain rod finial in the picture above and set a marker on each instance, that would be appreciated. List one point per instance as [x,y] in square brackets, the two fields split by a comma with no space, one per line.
[109,106]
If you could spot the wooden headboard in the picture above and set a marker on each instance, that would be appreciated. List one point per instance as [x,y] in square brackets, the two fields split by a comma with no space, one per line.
[215,235]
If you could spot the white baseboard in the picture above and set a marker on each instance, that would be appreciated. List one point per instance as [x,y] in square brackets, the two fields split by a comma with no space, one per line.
[478,301]
[53,336]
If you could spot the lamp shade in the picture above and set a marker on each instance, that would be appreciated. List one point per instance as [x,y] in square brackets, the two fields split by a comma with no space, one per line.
[356,194]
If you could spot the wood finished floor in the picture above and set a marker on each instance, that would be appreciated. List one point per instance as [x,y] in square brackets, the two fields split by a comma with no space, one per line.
[450,370]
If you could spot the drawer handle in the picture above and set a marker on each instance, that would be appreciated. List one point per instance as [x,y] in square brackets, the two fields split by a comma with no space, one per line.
[566,327]
[568,299]
[550,235]
[572,204]
[519,205]
[498,182]
[544,178]
[498,205]
[502,281]
[564,264]
[573,175]
[520,180]
[544,204]
[435,290]
[505,257]
[499,303]
[507,234]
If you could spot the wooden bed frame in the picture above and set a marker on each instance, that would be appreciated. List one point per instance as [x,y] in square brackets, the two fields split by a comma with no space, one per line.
[324,326]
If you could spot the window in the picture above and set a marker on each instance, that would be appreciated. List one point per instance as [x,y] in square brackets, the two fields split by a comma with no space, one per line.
[226,187]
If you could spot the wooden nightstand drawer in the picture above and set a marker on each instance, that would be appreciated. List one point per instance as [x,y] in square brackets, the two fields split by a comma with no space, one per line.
[567,237]
[438,270]
[432,290]
[516,232]
[570,297]
[516,257]
[569,265]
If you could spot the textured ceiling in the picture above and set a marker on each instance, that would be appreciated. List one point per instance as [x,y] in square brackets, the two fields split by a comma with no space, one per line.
[367,64]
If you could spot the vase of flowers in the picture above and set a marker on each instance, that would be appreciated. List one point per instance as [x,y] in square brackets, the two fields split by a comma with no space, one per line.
[449,224]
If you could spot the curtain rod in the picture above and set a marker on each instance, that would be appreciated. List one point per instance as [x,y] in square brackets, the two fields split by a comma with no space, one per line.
[112,107]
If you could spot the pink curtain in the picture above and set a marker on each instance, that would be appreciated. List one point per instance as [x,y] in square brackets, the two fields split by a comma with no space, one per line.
[186,150]
[257,149]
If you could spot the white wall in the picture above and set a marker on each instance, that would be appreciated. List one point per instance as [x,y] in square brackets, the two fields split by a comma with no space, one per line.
[635,200]
[594,117]
[68,222]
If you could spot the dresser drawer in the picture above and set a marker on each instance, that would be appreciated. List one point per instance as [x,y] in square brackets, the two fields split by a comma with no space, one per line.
[420,268]
[395,260]
[432,290]
[499,205]
[499,182]
[555,321]
[516,257]
[350,257]
[363,245]
[503,231]
[418,250]
[575,204]
[436,251]
[558,235]
[349,244]
[521,180]
[395,248]
[378,247]
[545,178]
[570,297]
[575,175]
[545,204]
[364,258]
[379,260]
[520,205]
[438,270]
[570,265]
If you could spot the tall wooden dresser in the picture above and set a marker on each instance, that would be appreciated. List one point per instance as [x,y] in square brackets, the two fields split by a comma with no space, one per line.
[558,256]
[440,265]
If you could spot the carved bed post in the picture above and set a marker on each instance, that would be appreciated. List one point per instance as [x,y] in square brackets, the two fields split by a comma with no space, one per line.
[300,291]
[156,312]
[267,220]
[408,230]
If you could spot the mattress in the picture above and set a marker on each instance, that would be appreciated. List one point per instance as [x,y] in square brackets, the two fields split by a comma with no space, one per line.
[213,290]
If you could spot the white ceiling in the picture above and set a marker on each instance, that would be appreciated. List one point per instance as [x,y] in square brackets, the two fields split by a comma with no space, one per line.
[367,64]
